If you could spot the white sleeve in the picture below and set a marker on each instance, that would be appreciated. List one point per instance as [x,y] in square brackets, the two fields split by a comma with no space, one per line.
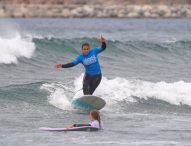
[95,124]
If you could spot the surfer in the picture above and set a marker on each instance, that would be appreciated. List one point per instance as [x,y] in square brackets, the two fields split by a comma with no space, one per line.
[95,121]
[89,59]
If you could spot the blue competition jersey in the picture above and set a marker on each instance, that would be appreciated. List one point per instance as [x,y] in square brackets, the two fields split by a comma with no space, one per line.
[90,61]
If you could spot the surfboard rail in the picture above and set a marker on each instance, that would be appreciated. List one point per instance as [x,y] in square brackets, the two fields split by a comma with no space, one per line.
[82,128]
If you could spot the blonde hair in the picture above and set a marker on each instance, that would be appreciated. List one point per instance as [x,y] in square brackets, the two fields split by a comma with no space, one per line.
[96,115]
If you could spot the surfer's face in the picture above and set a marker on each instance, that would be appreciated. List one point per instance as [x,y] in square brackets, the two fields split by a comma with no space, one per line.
[85,49]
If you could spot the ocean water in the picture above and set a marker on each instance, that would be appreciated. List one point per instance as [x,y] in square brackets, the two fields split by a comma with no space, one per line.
[146,81]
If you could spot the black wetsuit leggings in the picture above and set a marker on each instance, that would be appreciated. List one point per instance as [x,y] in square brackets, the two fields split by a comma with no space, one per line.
[90,83]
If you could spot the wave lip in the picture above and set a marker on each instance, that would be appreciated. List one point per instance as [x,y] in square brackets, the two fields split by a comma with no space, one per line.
[13,48]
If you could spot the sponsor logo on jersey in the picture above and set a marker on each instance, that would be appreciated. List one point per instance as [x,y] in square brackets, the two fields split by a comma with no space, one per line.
[89,60]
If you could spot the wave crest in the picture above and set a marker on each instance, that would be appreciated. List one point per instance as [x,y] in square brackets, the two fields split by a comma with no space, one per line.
[13,48]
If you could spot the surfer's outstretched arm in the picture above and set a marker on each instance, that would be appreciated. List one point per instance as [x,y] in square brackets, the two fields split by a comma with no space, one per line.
[103,45]
[68,65]
[76,61]
[78,125]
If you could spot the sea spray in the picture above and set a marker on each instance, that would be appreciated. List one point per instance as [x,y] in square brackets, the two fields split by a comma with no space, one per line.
[120,89]
[13,45]
[57,95]
[12,49]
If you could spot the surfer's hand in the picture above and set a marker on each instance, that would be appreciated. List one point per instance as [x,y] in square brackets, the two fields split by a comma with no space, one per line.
[58,66]
[101,39]
[70,126]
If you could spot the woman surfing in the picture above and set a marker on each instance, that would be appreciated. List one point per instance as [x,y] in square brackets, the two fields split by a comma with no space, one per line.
[89,59]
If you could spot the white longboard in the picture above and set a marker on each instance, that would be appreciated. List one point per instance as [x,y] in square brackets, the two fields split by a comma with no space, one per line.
[83,128]
[88,102]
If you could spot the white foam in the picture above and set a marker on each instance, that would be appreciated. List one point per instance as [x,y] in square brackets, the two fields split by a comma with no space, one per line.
[111,90]
[57,95]
[11,48]
[175,93]
[121,89]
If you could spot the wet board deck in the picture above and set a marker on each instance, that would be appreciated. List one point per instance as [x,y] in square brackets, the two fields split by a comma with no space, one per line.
[88,102]
[83,128]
